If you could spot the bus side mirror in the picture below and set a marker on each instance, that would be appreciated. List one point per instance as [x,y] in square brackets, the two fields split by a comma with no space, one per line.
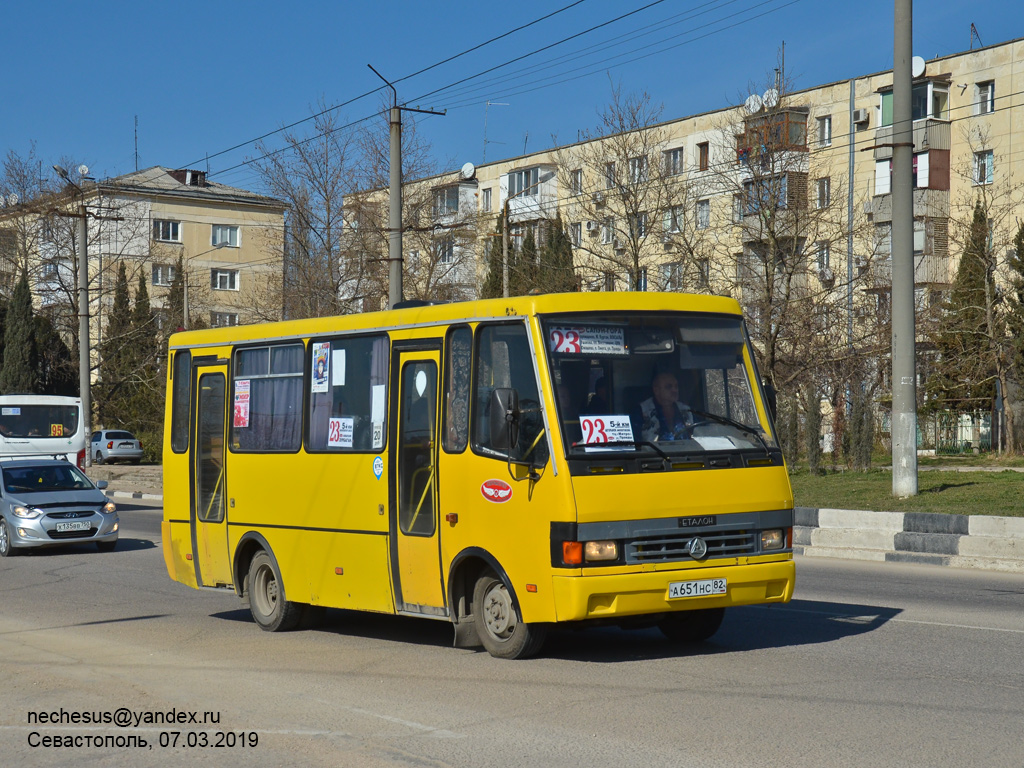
[771,396]
[504,419]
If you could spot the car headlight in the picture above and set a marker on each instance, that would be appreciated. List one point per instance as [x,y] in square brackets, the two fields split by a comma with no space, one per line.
[110,507]
[27,513]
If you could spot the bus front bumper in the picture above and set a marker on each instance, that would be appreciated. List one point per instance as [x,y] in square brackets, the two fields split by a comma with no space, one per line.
[578,598]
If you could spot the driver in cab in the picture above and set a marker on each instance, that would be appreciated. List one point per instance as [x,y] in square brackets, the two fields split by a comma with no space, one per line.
[662,416]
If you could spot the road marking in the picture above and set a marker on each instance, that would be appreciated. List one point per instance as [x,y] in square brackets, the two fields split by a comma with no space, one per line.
[437,732]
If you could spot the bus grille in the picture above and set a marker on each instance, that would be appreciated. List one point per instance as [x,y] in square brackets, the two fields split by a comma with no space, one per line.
[669,547]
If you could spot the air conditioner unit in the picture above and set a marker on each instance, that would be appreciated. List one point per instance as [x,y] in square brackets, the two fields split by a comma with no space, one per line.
[860,262]
[826,275]
[860,116]
[592,226]
[869,206]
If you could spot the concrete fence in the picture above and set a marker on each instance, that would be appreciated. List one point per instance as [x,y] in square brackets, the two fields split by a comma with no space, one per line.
[963,541]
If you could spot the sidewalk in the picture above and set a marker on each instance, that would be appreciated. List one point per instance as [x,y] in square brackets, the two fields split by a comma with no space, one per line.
[128,481]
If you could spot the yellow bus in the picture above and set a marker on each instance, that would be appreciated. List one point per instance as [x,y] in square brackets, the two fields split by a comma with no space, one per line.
[506,465]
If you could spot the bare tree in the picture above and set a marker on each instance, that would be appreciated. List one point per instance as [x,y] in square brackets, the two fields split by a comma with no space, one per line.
[628,197]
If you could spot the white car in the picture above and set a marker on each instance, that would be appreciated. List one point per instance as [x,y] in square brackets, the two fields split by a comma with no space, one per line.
[115,445]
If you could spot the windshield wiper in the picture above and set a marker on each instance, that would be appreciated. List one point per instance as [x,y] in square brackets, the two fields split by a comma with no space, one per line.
[621,443]
[738,425]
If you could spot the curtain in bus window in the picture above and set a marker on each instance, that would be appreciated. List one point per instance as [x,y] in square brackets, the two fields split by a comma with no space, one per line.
[456,405]
[267,408]
[180,401]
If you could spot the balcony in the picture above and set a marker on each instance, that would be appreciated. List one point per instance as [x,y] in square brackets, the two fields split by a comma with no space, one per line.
[928,133]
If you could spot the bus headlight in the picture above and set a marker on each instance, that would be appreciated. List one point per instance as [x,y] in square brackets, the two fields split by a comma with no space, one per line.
[773,539]
[595,551]
[25,512]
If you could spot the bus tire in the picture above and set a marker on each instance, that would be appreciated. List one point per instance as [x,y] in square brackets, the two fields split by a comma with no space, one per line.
[6,545]
[691,626]
[498,626]
[267,604]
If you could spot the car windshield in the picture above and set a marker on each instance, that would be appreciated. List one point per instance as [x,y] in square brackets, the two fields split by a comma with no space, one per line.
[661,382]
[44,479]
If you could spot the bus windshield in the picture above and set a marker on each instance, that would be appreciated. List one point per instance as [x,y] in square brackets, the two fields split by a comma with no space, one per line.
[670,383]
[25,420]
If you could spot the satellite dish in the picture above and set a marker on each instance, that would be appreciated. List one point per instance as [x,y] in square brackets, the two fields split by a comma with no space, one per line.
[83,170]
[467,171]
[752,104]
[770,98]
[917,66]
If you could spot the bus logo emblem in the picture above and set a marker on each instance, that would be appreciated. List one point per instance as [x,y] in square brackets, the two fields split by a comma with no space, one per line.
[497,491]
[378,466]
[697,548]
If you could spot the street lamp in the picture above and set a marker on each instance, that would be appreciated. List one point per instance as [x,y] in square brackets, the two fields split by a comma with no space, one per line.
[84,373]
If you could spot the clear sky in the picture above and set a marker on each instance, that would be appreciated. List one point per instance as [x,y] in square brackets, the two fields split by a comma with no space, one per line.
[203,77]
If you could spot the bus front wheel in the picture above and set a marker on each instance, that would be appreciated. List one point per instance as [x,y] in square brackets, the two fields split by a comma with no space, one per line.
[498,626]
[692,626]
[266,596]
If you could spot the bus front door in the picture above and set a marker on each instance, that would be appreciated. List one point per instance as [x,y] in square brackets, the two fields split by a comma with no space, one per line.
[208,513]
[416,568]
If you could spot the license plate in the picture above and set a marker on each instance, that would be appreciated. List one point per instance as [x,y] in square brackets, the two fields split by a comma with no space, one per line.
[702,588]
[79,526]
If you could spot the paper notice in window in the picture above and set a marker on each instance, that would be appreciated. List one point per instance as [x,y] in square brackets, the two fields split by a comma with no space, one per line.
[339,434]
[241,415]
[338,368]
[715,443]
[377,404]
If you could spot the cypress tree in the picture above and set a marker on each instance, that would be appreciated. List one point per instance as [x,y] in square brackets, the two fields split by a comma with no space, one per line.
[523,277]
[115,354]
[176,301]
[18,372]
[492,287]
[556,273]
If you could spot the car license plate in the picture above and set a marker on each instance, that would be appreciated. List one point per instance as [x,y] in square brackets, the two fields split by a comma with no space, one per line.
[79,526]
[702,588]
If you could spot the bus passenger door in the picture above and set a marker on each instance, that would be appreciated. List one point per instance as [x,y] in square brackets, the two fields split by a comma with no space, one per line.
[416,553]
[209,511]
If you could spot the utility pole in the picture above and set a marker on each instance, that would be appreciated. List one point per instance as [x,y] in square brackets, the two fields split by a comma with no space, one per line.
[904,377]
[395,289]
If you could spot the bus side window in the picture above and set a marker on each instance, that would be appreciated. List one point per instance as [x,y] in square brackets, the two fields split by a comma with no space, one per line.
[348,403]
[457,386]
[180,400]
[504,360]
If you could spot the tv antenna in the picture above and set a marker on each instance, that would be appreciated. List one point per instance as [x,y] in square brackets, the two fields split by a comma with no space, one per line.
[487,105]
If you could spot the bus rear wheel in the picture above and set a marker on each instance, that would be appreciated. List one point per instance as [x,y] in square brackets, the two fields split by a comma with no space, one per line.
[266,596]
[692,626]
[498,626]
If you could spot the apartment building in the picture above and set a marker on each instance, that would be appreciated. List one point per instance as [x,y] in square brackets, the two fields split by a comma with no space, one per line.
[227,242]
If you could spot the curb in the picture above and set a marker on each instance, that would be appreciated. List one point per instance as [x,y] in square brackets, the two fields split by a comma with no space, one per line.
[959,541]
[133,495]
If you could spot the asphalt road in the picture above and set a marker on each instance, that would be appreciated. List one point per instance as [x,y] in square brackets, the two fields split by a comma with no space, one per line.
[871,664]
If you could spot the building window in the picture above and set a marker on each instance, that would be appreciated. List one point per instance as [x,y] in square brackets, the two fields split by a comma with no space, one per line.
[576,233]
[919,237]
[673,162]
[444,250]
[983,167]
[224,279]
[825,131]
[224,234]
[609,175]
[823,255]
[485,200]
[703,156]
[163,274]
[607,230]
[638,226]
[737,209]
[609,281]
[523,183]
[446,201]
[824,192]
[986,101]
[672,220]
[637,170]
[671,276]
[223,319]
[883,240]
[576,182]
[167,231]
[641,281]
[765,194]
[703,214]
[928,99]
